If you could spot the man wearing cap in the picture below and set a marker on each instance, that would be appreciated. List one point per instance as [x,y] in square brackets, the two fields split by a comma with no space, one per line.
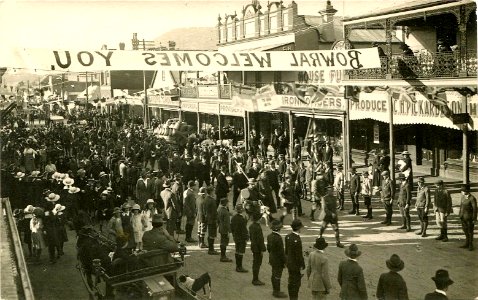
[318,271]
[391,285]
[355,188]
[468,214]
[366,192]
[201,219]
[240,236]
[339,185]
[422,205]
[294,258]
[442,282]
[387,193]
[158,237]
[328,215]
[442,207]
[404,202]
[224,227]
[350,276]
[257,247]
[277,259]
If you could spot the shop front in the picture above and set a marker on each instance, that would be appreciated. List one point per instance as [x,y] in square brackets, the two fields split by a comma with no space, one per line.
[162,107]
[425,123]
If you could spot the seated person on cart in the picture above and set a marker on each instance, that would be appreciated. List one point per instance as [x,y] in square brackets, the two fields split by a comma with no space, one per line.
[158,238]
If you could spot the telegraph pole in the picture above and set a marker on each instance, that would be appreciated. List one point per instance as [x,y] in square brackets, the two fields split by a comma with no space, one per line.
[392,140]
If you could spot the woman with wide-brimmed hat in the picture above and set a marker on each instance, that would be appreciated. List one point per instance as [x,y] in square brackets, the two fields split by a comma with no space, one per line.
[391,285]
[318,271]
[350,276]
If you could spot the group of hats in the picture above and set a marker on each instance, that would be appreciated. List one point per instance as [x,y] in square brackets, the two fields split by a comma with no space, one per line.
[20,174]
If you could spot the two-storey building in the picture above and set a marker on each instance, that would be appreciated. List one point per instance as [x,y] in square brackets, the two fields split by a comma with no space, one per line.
[429,80]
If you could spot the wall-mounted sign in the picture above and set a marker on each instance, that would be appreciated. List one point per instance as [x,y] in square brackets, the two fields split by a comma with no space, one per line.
[189,106]
[208,91]
[209,108]
[230,110]
[376,133]
[162,100]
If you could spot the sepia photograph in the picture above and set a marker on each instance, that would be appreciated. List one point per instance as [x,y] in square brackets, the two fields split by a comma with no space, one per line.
[238,149]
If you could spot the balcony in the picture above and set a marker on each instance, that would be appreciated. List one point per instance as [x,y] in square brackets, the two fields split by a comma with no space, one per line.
[423,65]
[211,91]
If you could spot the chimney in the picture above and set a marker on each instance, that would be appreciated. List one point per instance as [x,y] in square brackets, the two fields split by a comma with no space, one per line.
[328,13]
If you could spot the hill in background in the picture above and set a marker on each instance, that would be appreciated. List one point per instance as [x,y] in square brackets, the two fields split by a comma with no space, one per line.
[191,38]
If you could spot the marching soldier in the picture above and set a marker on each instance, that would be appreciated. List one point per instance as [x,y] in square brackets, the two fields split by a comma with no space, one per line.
[328,215]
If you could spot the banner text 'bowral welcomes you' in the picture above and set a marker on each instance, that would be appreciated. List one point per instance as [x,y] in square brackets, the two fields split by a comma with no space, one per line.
[73,60]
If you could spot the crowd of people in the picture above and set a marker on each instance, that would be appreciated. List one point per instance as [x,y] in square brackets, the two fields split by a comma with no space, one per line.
[144,193]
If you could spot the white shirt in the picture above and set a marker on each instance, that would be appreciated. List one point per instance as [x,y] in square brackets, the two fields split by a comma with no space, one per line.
[440,292]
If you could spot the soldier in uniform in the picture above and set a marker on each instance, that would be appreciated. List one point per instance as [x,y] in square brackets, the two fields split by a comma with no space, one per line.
[442,207]
[294,258]
[257,247]
[339,185]
[404,202]
[224,227]
[355,188]
[387,194]
[468,214]
[240,236]
[250,197]
[328,215]
[423,204]
[177,189]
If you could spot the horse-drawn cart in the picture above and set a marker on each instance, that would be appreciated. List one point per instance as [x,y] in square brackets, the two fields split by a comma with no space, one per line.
[150,275]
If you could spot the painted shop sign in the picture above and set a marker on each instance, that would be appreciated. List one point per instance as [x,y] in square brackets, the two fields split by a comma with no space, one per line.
[414,108]
[86,60]
[162,100]
[230,110]
[189,106]
[209,108]
[327,102]
[321,76]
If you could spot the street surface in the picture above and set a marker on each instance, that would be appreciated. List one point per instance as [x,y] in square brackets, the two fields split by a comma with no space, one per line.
[422,257]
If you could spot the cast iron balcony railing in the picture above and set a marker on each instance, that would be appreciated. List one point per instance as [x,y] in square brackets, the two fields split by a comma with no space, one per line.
[422,65]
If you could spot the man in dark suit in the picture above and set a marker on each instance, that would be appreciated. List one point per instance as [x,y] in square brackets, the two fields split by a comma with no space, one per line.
[257,247]
[328,154]
[404,202]
[350,276]
[277,259]
[355,188]
[391,285]
[468,215]
[295,259]
[222,187]
[210,214]
[442,282]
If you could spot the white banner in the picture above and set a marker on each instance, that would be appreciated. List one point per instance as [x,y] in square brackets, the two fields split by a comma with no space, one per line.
[97,60]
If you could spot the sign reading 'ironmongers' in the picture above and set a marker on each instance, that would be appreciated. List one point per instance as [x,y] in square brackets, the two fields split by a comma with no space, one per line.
[71,60]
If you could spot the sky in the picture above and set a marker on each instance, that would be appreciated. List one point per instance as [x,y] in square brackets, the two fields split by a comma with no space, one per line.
[90,24]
